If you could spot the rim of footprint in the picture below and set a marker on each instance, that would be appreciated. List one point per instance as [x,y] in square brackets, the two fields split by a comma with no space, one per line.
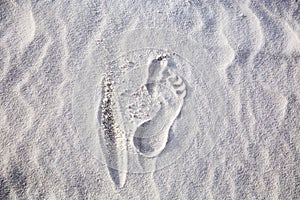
[145,111]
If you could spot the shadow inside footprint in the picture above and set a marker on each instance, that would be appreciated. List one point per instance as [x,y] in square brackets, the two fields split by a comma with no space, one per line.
[139,141]
[150,87]
[4,189]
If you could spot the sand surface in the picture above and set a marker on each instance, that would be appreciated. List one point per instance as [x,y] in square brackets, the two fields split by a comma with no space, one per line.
[150,99]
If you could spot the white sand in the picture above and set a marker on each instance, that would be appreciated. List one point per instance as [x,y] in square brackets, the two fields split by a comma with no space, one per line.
[149,99]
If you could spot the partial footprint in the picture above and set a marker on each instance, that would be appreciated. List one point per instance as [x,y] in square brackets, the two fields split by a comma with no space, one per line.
[150,138]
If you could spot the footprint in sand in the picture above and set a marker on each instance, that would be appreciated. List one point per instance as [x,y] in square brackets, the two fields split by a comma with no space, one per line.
[130,117]
[150,137]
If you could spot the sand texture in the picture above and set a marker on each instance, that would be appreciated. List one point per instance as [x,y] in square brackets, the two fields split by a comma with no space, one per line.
[181,100]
